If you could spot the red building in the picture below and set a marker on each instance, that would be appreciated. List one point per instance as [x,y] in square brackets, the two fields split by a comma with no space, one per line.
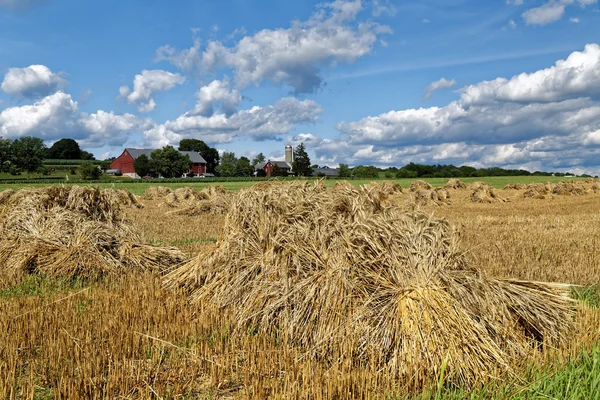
[268,166]
[124,162]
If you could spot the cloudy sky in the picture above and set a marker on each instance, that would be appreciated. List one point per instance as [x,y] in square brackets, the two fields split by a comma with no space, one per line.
[511,83]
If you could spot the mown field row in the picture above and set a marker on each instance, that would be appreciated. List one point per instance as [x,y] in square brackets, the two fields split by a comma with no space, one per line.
[139,187]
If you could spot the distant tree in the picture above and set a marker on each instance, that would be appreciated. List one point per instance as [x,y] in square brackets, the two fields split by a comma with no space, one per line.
[344,171]
[64,149]
[228,165]
[89,171]
[210,154]
[169,163]
[5,154]
[142,165]
[260,158]
[87,156]
[261,173]
[314,166]
[28,153]
[365,172]
[277,171]
[301,164]
[243,167]
[106,163]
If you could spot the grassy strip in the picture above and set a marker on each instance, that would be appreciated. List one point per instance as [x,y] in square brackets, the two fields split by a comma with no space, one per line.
[35,285]
[577,379]
[589,295]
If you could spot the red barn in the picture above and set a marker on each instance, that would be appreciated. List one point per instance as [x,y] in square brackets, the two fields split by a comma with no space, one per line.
[125,161]
[268,166]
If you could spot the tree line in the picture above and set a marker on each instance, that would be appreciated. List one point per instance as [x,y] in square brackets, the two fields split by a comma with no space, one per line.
[27,154]
[413,170]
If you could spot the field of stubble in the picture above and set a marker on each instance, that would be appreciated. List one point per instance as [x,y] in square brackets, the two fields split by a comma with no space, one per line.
[131,338]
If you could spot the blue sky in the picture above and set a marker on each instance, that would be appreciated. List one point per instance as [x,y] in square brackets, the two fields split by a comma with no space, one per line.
[511,83]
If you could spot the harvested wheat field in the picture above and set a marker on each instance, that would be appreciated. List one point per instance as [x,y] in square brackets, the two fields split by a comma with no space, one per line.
[300,291]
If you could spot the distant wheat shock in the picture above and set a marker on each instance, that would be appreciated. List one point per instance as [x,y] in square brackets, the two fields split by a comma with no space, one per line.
[74,232]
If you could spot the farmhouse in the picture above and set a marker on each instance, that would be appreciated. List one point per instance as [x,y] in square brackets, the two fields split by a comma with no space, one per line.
[125,161]
[269,165]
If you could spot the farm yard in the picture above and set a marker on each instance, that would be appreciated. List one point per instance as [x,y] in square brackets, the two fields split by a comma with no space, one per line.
[310,289]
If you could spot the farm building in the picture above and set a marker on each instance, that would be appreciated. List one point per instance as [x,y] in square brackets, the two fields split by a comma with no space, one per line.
[269,165]
[326,171]
[125,161]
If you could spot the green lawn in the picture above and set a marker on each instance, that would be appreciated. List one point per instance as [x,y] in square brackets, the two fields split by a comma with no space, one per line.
[139,188]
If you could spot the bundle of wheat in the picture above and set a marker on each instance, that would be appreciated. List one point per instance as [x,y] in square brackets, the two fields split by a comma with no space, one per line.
[342,275]
[74,231]
[156,192]
[538,191]
[435,197]
[420,185]
[595,187]
[482,192]
[5,196]
[210,200]
[455,184]
[216,206]
[183,196]
[386,187]
[126,198]
[515,186]
[214,191]
[568,189]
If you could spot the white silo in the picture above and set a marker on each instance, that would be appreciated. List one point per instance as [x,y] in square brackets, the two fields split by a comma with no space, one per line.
[289,154]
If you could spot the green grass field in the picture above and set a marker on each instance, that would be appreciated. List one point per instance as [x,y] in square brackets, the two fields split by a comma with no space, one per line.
[138,188]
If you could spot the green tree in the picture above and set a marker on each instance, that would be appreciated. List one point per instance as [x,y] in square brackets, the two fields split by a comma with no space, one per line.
[364,172]
[169,163]
[210,154]
[89,171]
[344,171]
[276,171]
[87,156]
[260,158]
[106,163]
[228,165]
[5,155]
[243,167]
[64,149]
[28,153]
[142,165]
[301,164]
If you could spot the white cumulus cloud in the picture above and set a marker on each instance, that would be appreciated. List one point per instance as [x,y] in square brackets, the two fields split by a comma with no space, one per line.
[258,123]
[548,119]
[218,93]
[45,118]
[57,116]
[146,85]
[551,11]
[292,56]
[33,81]
[437,85]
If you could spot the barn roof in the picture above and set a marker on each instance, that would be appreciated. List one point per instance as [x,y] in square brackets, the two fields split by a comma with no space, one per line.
[325,171]
[280,164]
[194,156]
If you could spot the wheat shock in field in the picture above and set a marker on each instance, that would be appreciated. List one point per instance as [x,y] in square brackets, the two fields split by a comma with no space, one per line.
[343,276]
[74,232]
